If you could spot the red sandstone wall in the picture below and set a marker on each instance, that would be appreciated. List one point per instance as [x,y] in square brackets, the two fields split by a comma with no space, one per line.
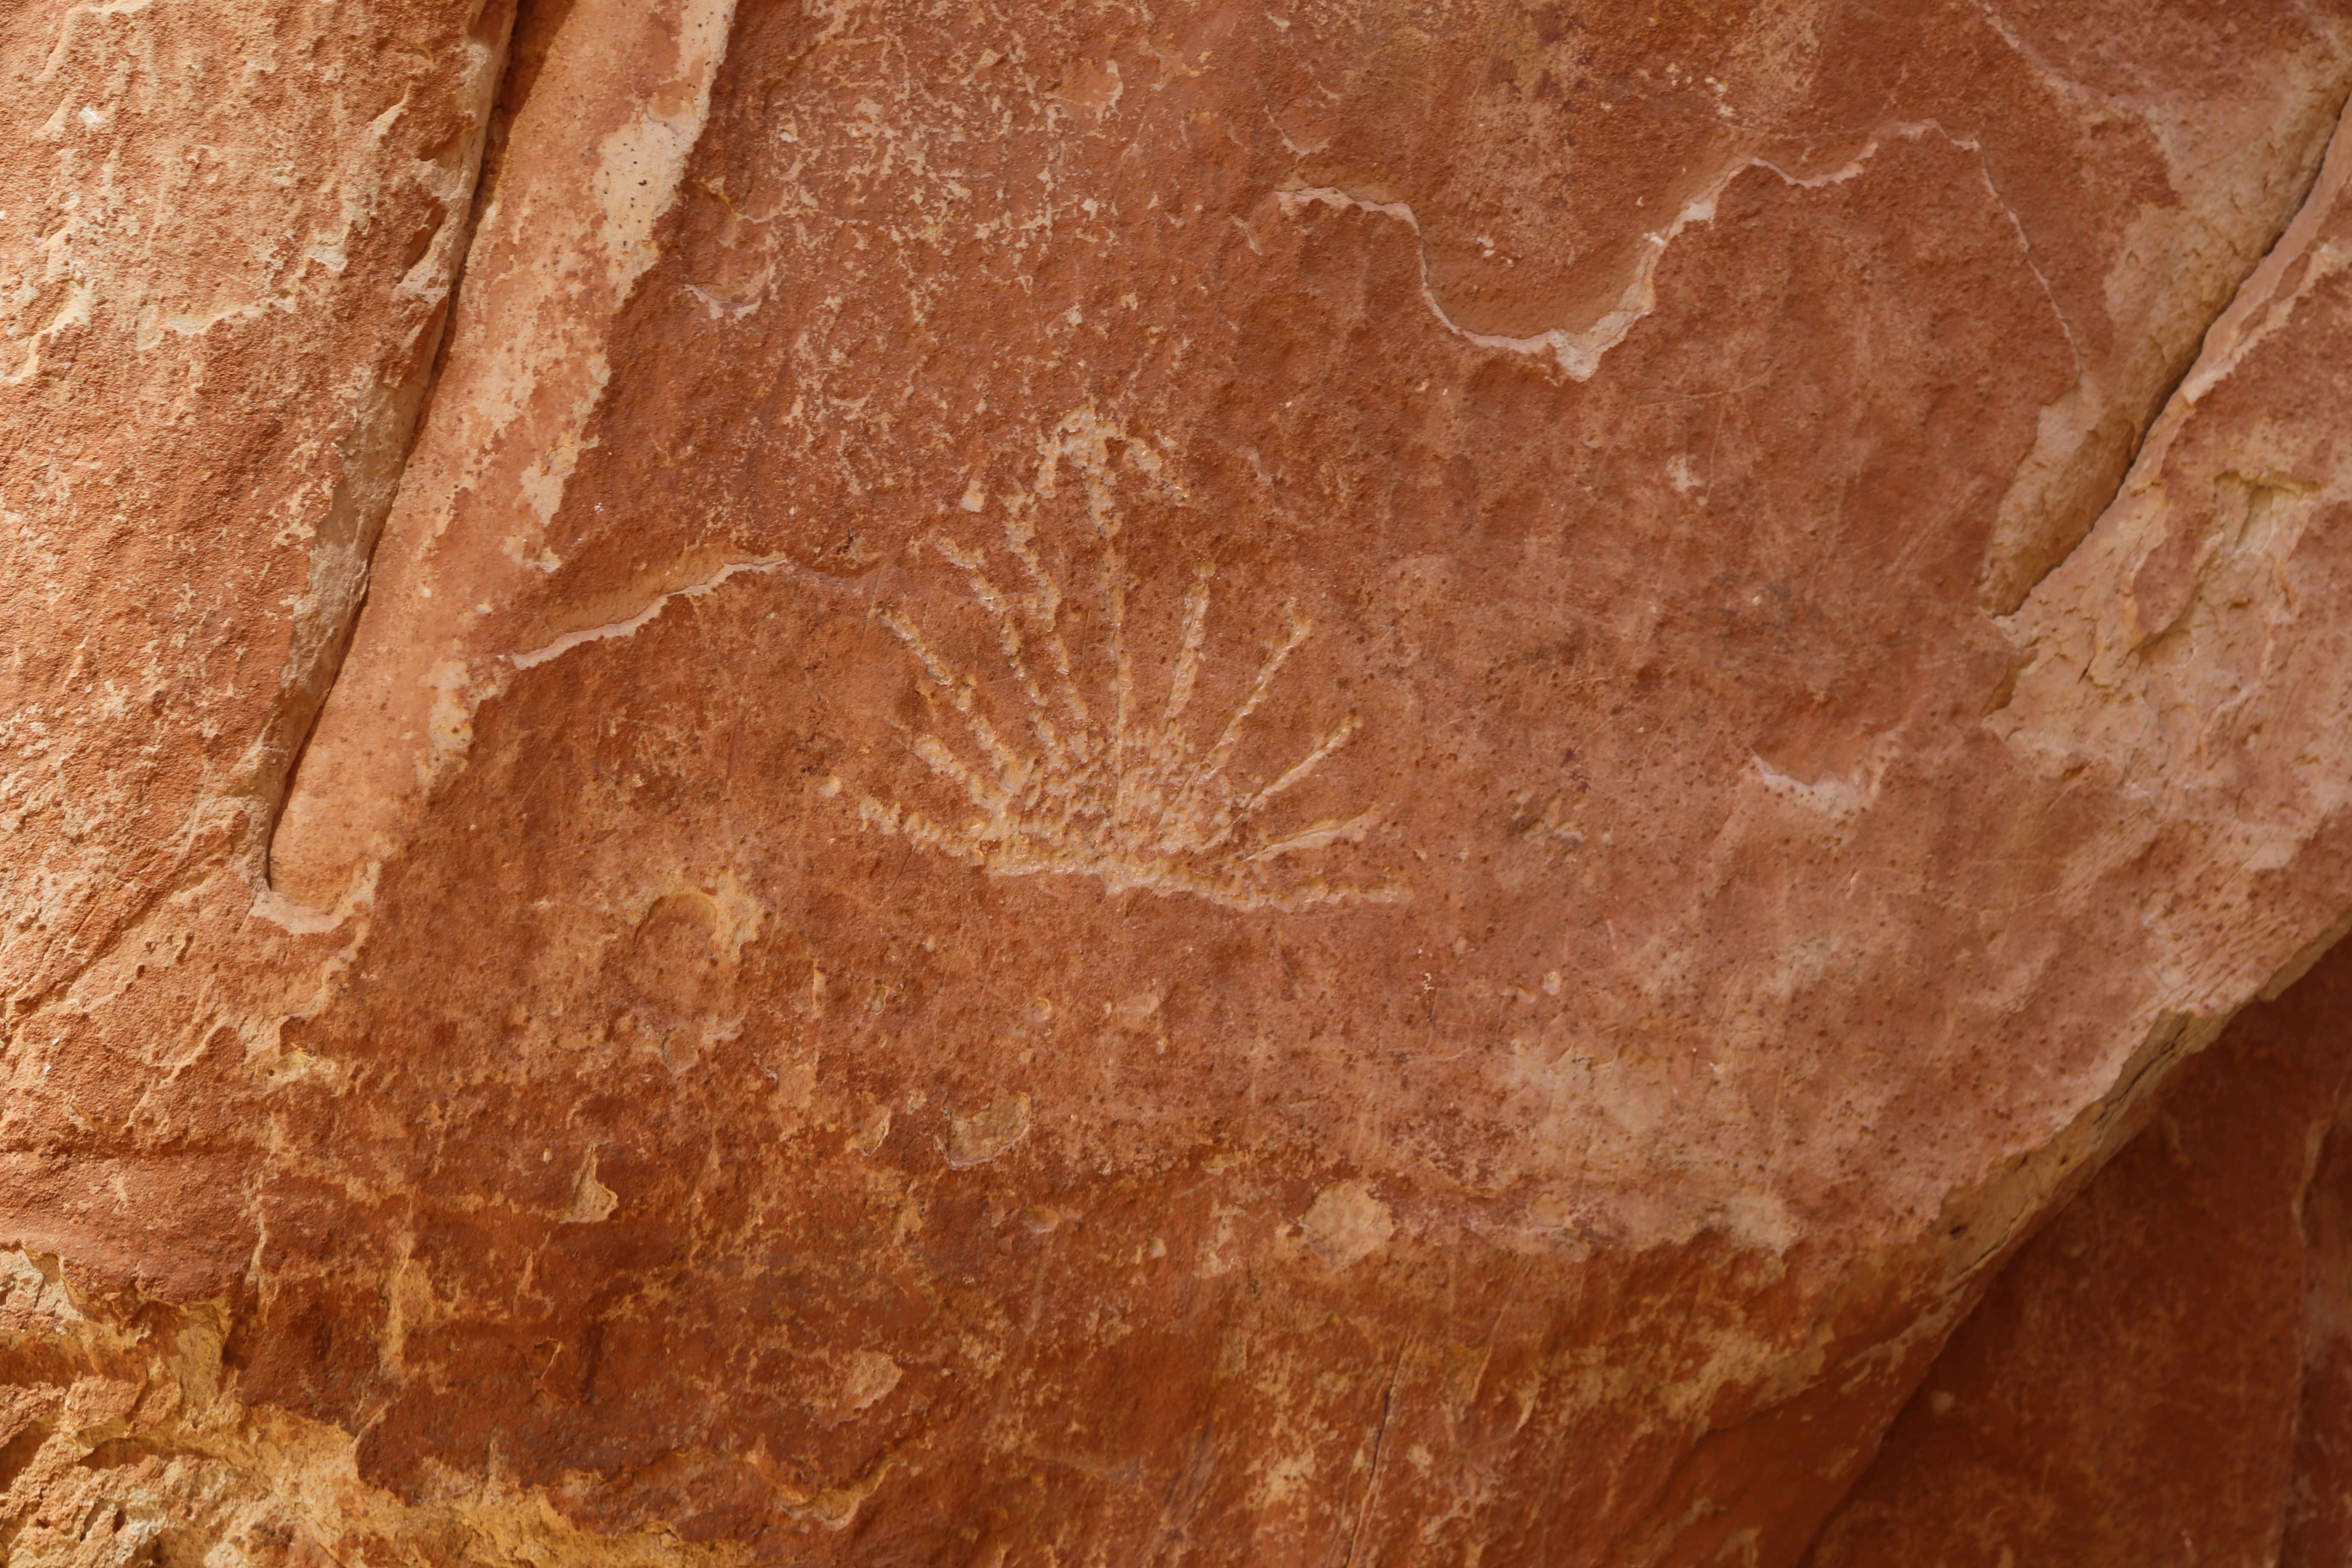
[1340,782]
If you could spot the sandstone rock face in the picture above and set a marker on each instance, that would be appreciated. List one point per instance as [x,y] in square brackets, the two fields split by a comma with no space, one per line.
[1328,781]
[2161,1375]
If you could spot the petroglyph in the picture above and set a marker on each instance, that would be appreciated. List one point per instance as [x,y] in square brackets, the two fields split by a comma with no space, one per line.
[1099,785]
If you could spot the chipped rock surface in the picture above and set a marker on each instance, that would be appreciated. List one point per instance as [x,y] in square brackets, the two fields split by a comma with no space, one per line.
[1334,781]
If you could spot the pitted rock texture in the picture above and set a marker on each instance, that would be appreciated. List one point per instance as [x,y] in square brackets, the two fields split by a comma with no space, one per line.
[1322,783]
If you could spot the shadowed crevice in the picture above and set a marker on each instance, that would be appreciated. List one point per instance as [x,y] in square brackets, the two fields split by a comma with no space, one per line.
[376,451]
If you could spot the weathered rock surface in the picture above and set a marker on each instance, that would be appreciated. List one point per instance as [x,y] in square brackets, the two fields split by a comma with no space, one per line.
[2160,1375]
[1323,782]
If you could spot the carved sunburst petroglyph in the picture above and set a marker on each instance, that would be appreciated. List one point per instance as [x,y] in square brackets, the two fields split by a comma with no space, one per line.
[1106,787]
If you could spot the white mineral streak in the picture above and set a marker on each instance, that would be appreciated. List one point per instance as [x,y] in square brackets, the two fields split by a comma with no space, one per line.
[1579,351]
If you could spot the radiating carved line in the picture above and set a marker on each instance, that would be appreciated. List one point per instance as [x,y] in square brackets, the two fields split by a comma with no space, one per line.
[1133,803]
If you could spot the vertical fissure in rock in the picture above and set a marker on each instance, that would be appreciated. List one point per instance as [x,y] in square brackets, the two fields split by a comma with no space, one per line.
[375,455]
[2152,413]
